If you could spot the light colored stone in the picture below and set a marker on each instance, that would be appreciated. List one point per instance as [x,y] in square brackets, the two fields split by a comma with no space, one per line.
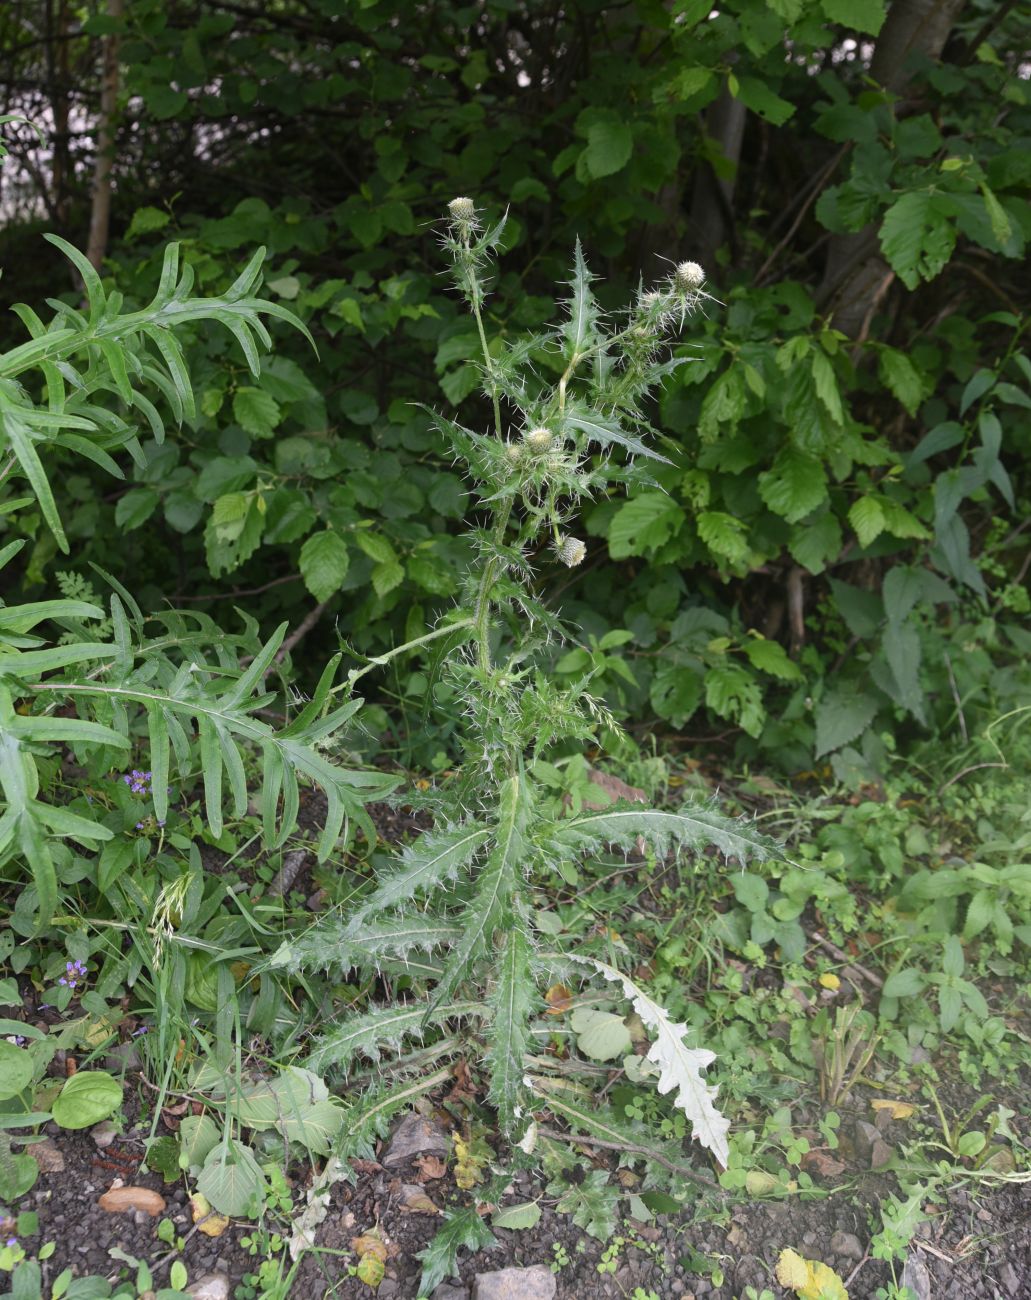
[534,1283]
[847,1245]
[414,1136]
[120,1200]
[916,1277]
[212,1286]
[103,1134]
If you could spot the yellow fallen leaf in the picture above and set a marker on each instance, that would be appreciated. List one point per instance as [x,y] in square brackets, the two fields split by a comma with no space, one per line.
[808,1278]
[829,981]
[371,1250]
[208,1221]
[792,1270]
[897,1109]
[471,1158]
[370,1270]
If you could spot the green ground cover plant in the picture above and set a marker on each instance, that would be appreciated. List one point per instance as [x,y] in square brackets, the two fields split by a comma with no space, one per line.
[764,503]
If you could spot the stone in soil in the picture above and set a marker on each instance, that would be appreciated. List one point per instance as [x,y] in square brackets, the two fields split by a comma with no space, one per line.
[414,1136]
[213,1286]
[534,1283]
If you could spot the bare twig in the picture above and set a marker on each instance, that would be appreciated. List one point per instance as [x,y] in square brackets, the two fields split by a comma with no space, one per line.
[240,591]
[302,630]
[821,179]
[975,767]
[955,695]
[575,1139]
[835,951]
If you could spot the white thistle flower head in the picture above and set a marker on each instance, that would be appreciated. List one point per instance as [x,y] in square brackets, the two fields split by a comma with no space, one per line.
[688,277]
[571,551]
[513,451]
[538,439]
[462,209]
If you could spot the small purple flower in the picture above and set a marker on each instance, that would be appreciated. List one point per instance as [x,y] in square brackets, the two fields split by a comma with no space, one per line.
[74,971]
[143,1029]
[12,1242]
[139,826]
[137,781]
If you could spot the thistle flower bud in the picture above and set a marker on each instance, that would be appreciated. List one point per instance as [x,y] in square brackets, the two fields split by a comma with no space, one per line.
[688,277]
[462,210]
[513,452]
[571,551]
[538,439]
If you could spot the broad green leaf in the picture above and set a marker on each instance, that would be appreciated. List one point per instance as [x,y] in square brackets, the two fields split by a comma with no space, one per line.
[840,718]
[916,237]
[232,1180]
[599,1034]
[324,563]
[610,142]
[858,15]
[867,518]
[901,377]
[86,1098]
[771,657]
[517,1218]
[256,411]
[795,485]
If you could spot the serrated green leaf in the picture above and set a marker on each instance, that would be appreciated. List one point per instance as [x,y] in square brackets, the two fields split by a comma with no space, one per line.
[840,718]
[795,485]
[867,518]
[324,563]
[462,1228]
[916,237]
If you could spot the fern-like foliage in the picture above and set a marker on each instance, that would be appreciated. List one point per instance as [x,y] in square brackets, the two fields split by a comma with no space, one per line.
[76,674]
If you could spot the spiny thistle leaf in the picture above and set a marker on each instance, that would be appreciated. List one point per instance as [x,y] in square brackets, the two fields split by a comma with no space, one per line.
[604,431]
[692,827]
[510,1002]
[488,910]
[368,1117]
[580,333]
[334,945]
[434,858]
[386,1027]
[680,1066]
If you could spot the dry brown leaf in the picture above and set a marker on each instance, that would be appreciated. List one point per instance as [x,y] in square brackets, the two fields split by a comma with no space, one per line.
[120,1200]
[430,1168]
[559,1000]
[414,1200]
[819,1162]
[370,1243]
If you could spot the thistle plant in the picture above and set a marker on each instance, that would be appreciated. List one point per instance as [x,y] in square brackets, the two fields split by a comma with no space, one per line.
[454,913]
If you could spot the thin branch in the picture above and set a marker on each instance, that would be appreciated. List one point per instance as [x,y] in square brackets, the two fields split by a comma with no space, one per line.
[244,591]
[835,951]
[683,1170]
[975,767]
[302,630]
[817,188]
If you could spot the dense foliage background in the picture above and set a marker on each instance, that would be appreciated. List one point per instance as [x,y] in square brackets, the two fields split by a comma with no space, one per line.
[849,447]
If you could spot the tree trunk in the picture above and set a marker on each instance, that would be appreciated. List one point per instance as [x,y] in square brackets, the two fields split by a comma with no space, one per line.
[711,221]
[856,276]
[100,217]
